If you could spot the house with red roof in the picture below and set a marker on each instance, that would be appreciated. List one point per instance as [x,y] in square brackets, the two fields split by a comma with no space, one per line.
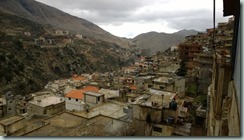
[74,100]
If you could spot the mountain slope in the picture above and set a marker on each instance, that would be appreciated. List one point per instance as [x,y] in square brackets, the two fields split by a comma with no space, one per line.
[186,32]
[29,61]
[46,15]
[153,41]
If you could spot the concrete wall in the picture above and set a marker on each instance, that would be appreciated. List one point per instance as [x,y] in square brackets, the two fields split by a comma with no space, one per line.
[169,68]
[91,99]
[12,128]
[49,110]
[141,113]
[170,113]
[163,86]
[15,127]
[54,109]
[2,130]
[170,87]
[180,86]
[233,115]
[94,99]
[73,104]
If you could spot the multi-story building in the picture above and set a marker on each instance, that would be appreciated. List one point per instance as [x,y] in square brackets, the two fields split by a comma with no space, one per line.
[223,110]
[187,51]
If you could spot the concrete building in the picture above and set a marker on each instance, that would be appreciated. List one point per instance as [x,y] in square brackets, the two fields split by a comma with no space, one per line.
[93,98]
[170,67]
[182,111]
[179,85]
[2,107]
[204,66]
[11,124]
[187,51]
[162,130]
[143,81]
[223,112]
[148,108]
[155,107]
[46,106]
[74,100]
[108,93]
[10,103]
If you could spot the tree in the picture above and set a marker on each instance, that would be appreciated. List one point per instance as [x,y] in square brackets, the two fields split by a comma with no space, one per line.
[182,70]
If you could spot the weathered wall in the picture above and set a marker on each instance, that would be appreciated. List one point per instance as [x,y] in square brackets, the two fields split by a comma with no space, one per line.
[233,116]
[72,104]
[90,99]
[142,113]
[49,110]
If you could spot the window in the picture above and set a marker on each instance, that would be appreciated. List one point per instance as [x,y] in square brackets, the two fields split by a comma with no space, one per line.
[98,99]
[161,87]
[157,129]
[44,111]
[76,100]
[69,98]
[9,108]
[10,101]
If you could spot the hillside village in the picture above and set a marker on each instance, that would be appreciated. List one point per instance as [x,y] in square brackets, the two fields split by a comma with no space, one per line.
[166,94]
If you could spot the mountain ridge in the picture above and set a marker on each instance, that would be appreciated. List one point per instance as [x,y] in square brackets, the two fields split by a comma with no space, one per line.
[47,15]
[160,41]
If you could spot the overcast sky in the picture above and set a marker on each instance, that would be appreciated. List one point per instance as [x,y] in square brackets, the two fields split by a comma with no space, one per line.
[128,18]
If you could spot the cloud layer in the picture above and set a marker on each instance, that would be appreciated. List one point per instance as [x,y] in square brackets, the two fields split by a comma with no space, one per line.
[138,16]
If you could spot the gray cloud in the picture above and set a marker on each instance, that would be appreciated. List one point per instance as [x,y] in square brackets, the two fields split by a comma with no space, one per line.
[116,12]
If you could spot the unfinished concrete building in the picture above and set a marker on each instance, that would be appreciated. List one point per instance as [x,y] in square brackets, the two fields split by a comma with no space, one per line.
[187,51]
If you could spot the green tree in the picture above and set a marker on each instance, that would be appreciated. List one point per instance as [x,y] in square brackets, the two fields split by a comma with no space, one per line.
[182,70]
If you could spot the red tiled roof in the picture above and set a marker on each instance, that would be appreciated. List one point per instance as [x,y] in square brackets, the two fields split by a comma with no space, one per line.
[133,87]
[91,88]
[81,78]
[77,94]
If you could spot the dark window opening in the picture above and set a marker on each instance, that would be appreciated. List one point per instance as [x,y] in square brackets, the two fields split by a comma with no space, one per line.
[69,98]
[157,129]
[76,100]
[98,99]
[44,111]
[161,87]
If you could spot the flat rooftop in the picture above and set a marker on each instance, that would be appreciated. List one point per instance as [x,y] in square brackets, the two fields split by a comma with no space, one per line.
[52,100]
[67,124]
[110,109]
[145,77]
[163,80]
[11,120]
[108,93]
[93,94]
[156,96]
